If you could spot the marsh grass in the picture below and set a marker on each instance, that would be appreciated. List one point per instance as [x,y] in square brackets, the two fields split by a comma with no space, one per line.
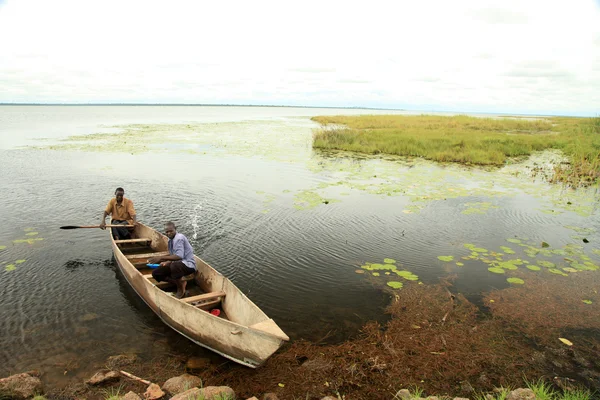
[469,140]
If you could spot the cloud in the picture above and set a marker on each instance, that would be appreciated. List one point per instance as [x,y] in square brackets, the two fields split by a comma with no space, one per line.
[431,54]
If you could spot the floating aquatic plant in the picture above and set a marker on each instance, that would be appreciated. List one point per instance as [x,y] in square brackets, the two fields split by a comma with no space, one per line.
[360,271]
[389,261]
[446,258]
[507,250]
[31,233]
[534,267]
[496,270]
[10,267]
[513,240]
[460,264]
[546,264]
[375,273]
[20,261]
[518,281]
[395,284]
[587,301]
[557,271]
[2,247]
[566,341]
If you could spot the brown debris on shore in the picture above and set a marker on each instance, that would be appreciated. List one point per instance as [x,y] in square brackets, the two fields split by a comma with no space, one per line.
[435,341]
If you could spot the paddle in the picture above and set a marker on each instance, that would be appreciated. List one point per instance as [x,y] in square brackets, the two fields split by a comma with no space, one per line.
[95,226]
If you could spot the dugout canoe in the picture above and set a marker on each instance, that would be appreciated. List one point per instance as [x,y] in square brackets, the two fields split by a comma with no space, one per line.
[242,332]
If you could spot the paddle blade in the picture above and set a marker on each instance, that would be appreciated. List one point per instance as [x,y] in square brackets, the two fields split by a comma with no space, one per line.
[69,227]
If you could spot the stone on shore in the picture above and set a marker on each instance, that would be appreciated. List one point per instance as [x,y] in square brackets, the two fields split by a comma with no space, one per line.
[403,394]
[521,394]
[207,393]
[21,386]
[270,396]
[153,392]
[131,396]
[181,383]
[103,376]
[116,362]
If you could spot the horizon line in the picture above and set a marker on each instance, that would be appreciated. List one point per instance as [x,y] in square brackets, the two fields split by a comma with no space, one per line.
[287,106]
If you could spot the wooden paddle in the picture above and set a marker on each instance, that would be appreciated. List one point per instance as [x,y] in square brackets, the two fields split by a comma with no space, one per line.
[95,226]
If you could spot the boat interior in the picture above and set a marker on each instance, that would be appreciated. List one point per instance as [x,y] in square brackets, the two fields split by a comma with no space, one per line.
[198,292]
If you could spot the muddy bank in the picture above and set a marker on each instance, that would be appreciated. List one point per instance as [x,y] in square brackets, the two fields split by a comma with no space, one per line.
[436,340]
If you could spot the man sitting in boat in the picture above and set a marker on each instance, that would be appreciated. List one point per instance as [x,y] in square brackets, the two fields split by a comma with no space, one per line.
[179,263]
[122,213]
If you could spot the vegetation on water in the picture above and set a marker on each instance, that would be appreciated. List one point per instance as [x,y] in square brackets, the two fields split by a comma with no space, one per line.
[469,140]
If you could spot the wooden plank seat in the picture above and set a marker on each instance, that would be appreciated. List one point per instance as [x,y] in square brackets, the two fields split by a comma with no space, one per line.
[204,297]
[147,255]
[140,240]
[162,285]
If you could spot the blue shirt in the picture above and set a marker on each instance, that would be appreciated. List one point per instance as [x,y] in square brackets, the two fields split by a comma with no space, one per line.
[180,246]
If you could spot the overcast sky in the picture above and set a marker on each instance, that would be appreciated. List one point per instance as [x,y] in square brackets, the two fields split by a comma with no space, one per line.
[523,56]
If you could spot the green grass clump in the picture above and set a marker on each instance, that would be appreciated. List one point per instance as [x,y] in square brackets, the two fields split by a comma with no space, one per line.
[468,140]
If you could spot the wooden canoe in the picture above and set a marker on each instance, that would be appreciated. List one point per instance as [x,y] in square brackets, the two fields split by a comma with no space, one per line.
[242,332]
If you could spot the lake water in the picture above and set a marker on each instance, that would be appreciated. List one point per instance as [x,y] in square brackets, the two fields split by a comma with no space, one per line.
[290,226]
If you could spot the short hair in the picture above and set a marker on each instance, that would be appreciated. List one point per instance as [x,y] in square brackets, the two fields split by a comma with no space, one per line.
[169,223]
[120,189]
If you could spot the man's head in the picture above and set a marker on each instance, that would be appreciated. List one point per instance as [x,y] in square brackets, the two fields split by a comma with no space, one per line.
[170,230]
[119,193]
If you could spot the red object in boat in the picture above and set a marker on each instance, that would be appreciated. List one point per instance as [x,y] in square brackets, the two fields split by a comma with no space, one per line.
[215,311]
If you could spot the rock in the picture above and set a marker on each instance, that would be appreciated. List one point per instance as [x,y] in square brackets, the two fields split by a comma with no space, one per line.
[252,398]
[21,386]
[431,398]
[207,393]
[181,383]
[521,394]
[103,376]
[153,392]
[116,362]
[329,398]
[270,396]
[403,394]
[131,396]
[197,363]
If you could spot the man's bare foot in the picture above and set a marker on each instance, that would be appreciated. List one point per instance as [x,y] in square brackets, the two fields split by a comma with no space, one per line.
[181,285]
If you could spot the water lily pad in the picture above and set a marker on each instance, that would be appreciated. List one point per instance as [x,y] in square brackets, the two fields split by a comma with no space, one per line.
[569,269]
[587,301]
[557,272]
[389,261]
[10,267]
[20,261]
[507,250]
[471,246]
[460,264]
[479,250]
[496,270]
[546,264]
[29,229]
[513,240]
[2,247]
[566,341]
[446,258]
[518,281]
[31,233]
[411,278]
[360,271]
[559,252]
[395,284]
[375,273]
[387,273]
[534,267]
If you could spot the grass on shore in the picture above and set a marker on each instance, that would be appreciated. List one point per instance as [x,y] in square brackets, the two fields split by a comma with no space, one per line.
[469,140]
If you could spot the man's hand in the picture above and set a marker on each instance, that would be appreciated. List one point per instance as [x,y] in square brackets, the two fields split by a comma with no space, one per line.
[154,260]
[103,225]
[165,263]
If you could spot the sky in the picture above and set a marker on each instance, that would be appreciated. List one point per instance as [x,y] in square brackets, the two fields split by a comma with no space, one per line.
[508,56]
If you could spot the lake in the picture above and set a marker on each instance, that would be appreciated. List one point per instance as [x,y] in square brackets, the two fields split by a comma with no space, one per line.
[304,234]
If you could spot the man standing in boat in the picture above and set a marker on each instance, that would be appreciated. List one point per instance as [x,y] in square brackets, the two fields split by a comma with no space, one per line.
[122,213]
[179,263]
